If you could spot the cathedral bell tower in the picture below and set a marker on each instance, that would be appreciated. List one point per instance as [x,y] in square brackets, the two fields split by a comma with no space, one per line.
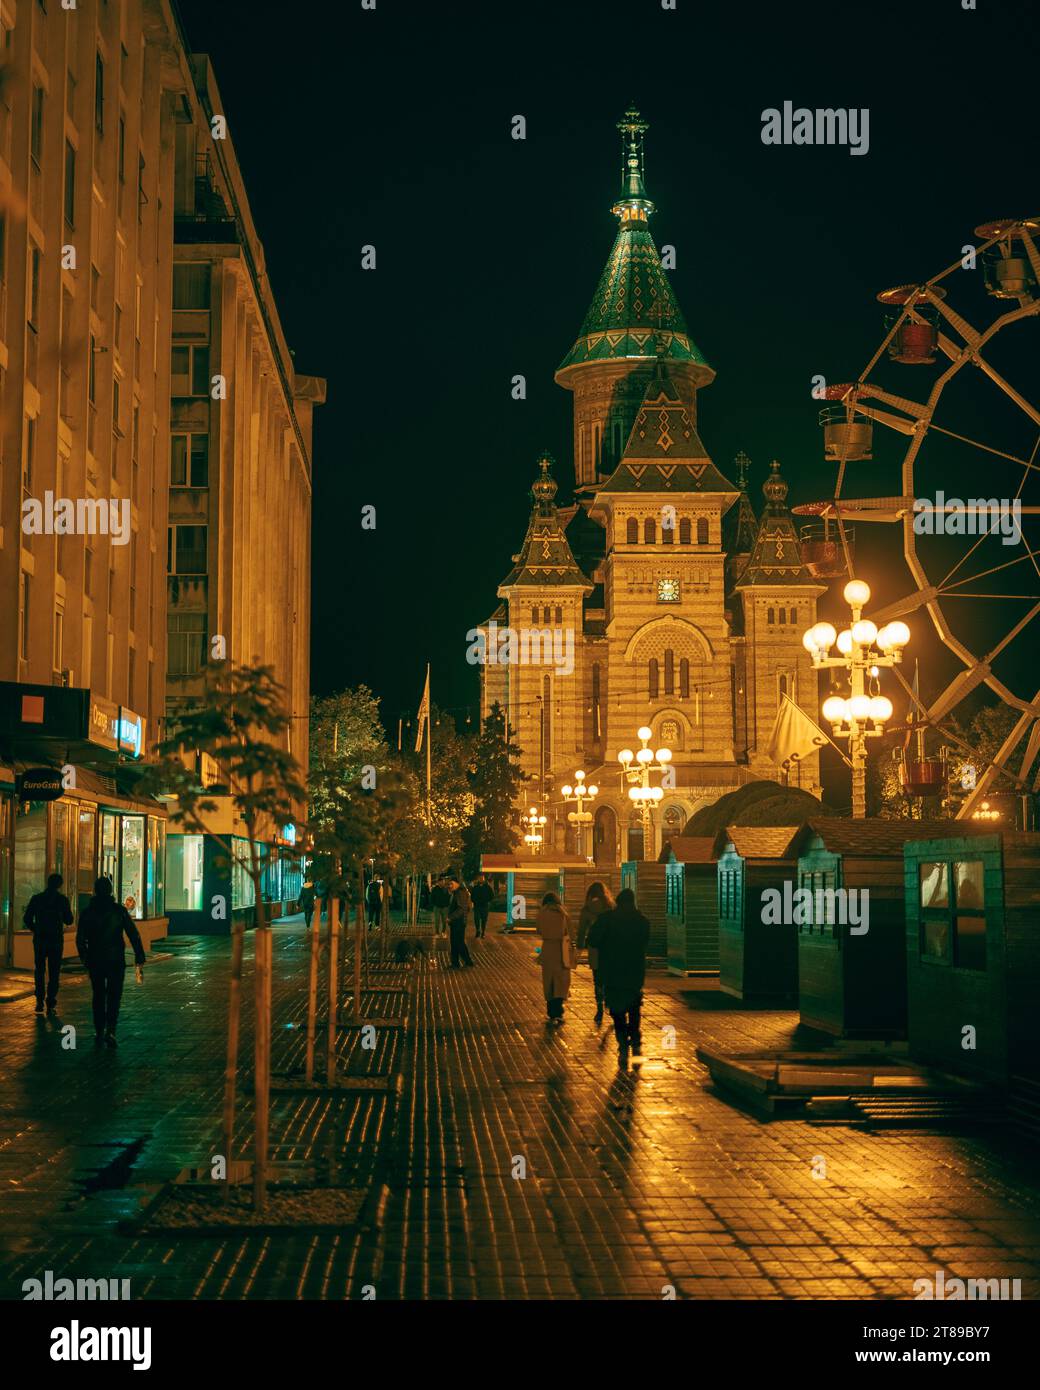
[633,320]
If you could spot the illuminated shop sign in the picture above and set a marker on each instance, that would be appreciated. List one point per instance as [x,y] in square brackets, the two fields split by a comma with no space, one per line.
[103,722]
[130,731]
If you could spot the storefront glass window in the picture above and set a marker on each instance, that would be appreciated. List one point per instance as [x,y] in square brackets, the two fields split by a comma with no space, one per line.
[30,855]
[110,848]
[84,889]
[184,870]
[59,837]
[242,894]
[158,864]
[131,864]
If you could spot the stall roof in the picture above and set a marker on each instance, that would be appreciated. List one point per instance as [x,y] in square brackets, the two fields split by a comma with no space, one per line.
[875,838]
[757,841]
[689,849]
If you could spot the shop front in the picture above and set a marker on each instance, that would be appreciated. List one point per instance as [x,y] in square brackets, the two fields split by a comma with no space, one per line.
[210,884]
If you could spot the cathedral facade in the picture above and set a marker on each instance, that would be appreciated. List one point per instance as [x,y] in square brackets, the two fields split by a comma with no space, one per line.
[657,598]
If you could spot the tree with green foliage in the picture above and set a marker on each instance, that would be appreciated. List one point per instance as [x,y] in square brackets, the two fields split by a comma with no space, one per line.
[495,781]
[240,721]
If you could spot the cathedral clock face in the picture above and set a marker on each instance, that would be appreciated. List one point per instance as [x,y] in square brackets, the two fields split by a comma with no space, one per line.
[668,591]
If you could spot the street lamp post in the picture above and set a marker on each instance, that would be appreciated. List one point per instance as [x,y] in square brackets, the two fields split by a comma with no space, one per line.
[640,792]
[580,793]
[535,823]
[863,650]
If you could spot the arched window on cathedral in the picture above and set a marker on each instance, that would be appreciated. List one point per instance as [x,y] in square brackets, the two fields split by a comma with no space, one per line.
[595,448]
[655,678]
[684,531]
[618,441]
[770,616]
[650,531]
[667,530]
[684,679]
[783,685]
[669,672]
[534,617]
[546,615]
[702,530]
[794,617]
[783,616]
[546,723]
[597,696]
[632,531]
[559,616]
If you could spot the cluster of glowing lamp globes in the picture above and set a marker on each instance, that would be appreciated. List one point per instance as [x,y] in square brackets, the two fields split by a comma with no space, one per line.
[864,635]
[535,821]
[644,758]
[579,793]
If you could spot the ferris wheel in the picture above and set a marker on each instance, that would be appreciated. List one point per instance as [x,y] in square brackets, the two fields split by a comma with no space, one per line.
[975,571]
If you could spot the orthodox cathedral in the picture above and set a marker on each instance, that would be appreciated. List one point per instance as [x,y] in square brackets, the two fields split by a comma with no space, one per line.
[657,597]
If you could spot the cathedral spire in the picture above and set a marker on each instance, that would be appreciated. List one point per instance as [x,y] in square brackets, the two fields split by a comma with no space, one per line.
[776,557]
[633,202]
[545,557]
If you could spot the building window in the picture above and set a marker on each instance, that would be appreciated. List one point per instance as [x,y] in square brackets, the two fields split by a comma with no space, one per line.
[121,150]
[186,550]
[189,370]
[59,638]
[649,531]
[99,94]
[783,617]
[189,460]
[70,184]
[684,678]
[191,281]
[669,672]
[35,265]
[559,616]
[684,530]
[184,859]
[36,127]
[534,617]
[702,530]
[667,531]
[632,531]
[596,699]
[655,678]
[771,616]
[546,615]
[23,635]
[794,617]
[186,643]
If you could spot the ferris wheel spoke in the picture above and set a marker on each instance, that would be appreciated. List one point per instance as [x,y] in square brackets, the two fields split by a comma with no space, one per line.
[1008,389]
[999,762]
[986,448]
[945,588]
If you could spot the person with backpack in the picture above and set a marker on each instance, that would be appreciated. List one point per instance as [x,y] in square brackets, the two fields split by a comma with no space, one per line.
[99,940]
[46,916]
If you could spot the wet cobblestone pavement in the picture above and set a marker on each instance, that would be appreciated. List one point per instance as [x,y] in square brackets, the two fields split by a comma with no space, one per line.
[634,1180]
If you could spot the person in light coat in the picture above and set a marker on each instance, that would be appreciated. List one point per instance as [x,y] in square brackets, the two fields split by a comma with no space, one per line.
[597,902]
[559,951]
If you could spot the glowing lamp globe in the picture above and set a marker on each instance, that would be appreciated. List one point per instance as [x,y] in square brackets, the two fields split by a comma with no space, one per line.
[845,642]
[825,636]
[566,791]
[657,793]
[645,755]
[809,641]
[664,755]
[880,709]
[864,632]
[857,593]
[859,707]
[634,793]
[899,634]
[579,777]
[834,709]
[645,732]
[625,756]
[593,790]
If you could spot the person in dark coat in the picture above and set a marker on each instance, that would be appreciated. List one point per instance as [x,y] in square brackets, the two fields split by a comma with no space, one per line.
[305,902]
[622,939]
[99,940]
[458,914]
[440,897]
[557,956]
[47,915]
[598,903]
[480,892]
[374,901]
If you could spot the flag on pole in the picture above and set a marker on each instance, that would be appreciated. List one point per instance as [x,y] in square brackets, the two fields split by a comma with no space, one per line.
[424,712]
[795,735]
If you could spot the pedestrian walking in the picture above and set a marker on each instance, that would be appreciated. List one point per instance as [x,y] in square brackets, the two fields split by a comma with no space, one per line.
[374,902]
[305,902]
[559,954]
[46,916]
[99,940]
[480,892]
[597,903]
[458,914]
[440,897]
[623,935]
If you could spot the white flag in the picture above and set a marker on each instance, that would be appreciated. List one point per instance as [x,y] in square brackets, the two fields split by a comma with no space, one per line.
[424,712]
[794,734]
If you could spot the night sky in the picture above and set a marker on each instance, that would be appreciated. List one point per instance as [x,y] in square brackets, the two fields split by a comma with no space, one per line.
[393,128]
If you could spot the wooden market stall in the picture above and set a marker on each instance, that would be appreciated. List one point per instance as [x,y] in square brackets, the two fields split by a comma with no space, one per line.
[851,927]
[973,953]
[691,905]
[646,878]
[528,879]
[758,959]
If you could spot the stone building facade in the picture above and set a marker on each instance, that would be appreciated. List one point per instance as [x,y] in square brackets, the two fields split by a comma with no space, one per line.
[656,598]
